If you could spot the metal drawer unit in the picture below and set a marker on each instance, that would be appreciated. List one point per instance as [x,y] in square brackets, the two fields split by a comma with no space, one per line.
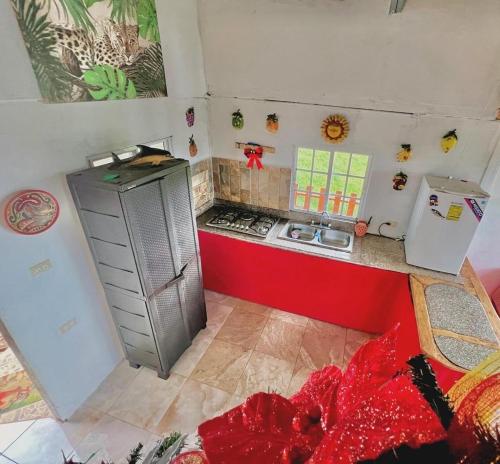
[141,230]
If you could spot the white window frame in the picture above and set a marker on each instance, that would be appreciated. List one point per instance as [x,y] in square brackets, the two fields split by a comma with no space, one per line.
[103,159]
[362,200]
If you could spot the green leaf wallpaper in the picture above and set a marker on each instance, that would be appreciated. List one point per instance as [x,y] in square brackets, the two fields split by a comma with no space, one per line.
[93,50]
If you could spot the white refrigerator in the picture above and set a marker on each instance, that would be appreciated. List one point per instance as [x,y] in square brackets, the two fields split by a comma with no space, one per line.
[445,218]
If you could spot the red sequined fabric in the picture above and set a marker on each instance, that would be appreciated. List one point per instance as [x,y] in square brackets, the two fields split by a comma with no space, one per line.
[334,418]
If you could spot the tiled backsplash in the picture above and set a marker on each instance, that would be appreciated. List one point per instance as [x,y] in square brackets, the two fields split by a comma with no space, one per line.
[202,185]
[266,188]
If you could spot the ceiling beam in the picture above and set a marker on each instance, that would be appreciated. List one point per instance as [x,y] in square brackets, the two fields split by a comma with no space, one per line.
[396,6]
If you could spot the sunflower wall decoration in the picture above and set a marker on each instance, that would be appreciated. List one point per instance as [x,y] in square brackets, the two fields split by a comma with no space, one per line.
[335,128]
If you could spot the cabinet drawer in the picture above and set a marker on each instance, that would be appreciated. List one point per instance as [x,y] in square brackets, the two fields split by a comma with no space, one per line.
[133,322]
[126,303]
[120,280]
[142,357]
[107,228]
[138,340]
[118,256]
[99,201]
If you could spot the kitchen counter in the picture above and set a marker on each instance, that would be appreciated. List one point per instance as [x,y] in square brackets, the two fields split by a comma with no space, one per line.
[371,250]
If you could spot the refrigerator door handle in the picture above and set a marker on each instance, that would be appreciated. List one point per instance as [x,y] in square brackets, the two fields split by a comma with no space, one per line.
[173,282]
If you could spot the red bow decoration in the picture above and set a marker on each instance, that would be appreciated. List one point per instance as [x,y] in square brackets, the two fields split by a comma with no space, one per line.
[334,418]
[254,154]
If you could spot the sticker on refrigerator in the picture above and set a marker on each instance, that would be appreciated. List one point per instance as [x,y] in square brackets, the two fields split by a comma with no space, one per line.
[474,206]
[433,200]
[454,212]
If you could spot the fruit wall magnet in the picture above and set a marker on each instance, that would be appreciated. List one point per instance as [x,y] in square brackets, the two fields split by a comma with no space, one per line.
[190,117]
[399,181]
[272,123]
[31,212]
[449,141]
[193,149]
[405,153]
[335,128]
[238,120]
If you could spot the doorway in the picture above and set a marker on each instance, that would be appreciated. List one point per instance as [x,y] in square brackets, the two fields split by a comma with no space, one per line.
[20,400]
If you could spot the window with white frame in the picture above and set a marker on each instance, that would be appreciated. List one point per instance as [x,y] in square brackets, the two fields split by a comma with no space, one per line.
[331,181]
[106,158]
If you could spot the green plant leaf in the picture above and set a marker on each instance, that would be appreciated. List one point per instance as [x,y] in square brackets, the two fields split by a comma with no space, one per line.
[108,83]
[147,73]
[78,11]
[123,9]
[148,20]
[89,3]
[53,79]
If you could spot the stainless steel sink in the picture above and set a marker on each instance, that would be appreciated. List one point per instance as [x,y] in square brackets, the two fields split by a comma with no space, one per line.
[317,236]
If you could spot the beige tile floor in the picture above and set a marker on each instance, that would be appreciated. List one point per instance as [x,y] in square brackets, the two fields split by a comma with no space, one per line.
[245,348]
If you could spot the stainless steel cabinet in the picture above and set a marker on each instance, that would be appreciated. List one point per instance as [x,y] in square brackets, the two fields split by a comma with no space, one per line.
[141,230]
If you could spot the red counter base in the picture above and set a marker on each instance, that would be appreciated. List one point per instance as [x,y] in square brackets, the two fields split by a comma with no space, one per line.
[354,296]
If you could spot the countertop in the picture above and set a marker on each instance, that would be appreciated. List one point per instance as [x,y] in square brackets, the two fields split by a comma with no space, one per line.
[370,250]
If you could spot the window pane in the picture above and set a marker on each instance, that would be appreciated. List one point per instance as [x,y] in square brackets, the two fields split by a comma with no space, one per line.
[334,204]
[359,165]
[341,162]
[299,201]
[314,205]
[354,185]
[319,181]
[304,158]
[350,209]
[321,161]
[338,184]
[303,179]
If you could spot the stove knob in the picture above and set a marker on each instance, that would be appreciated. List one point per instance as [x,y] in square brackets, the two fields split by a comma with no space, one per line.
[232,224]
[246,228]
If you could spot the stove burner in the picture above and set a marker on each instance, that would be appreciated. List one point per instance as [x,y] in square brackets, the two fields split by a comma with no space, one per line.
[243,221]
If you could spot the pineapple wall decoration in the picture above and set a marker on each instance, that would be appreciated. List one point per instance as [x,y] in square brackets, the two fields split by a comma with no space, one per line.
[449,141]
[405,153]
[193,149]
[272,123]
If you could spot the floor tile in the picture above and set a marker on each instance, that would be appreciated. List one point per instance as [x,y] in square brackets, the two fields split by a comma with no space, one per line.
[299,377]
[112,440]
[222,365]
[11,432]
[281,340]
[42,442]
[264,374]
[217,314]
[195,404]
[214,296]
[234,402]
[251,307]
[289,317]
[190,358]
[80,424]
[354,340]
[6,460]
[145,401]
[322,344]
[112,387]
[242,328]
[9,364]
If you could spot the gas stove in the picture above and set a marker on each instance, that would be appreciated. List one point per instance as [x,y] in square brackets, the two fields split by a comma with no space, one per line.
[244,221]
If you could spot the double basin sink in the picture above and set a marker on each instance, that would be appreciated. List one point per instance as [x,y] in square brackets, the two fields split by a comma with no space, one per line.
[317,236]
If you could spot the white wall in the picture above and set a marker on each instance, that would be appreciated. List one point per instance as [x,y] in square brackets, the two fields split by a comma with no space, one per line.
[437,61]
[438,56]
[375,133]
[40,143]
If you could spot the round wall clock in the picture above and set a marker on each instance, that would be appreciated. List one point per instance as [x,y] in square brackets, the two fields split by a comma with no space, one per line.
[335,128]
[31,212]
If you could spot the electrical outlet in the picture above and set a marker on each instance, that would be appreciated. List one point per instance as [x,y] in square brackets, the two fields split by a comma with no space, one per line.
[40,267]
[67,326]
[392,223]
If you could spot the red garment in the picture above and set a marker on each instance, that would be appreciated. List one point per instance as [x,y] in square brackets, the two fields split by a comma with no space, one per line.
[332,419]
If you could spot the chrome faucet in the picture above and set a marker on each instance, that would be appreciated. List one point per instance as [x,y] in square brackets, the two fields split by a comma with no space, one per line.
[323,214]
